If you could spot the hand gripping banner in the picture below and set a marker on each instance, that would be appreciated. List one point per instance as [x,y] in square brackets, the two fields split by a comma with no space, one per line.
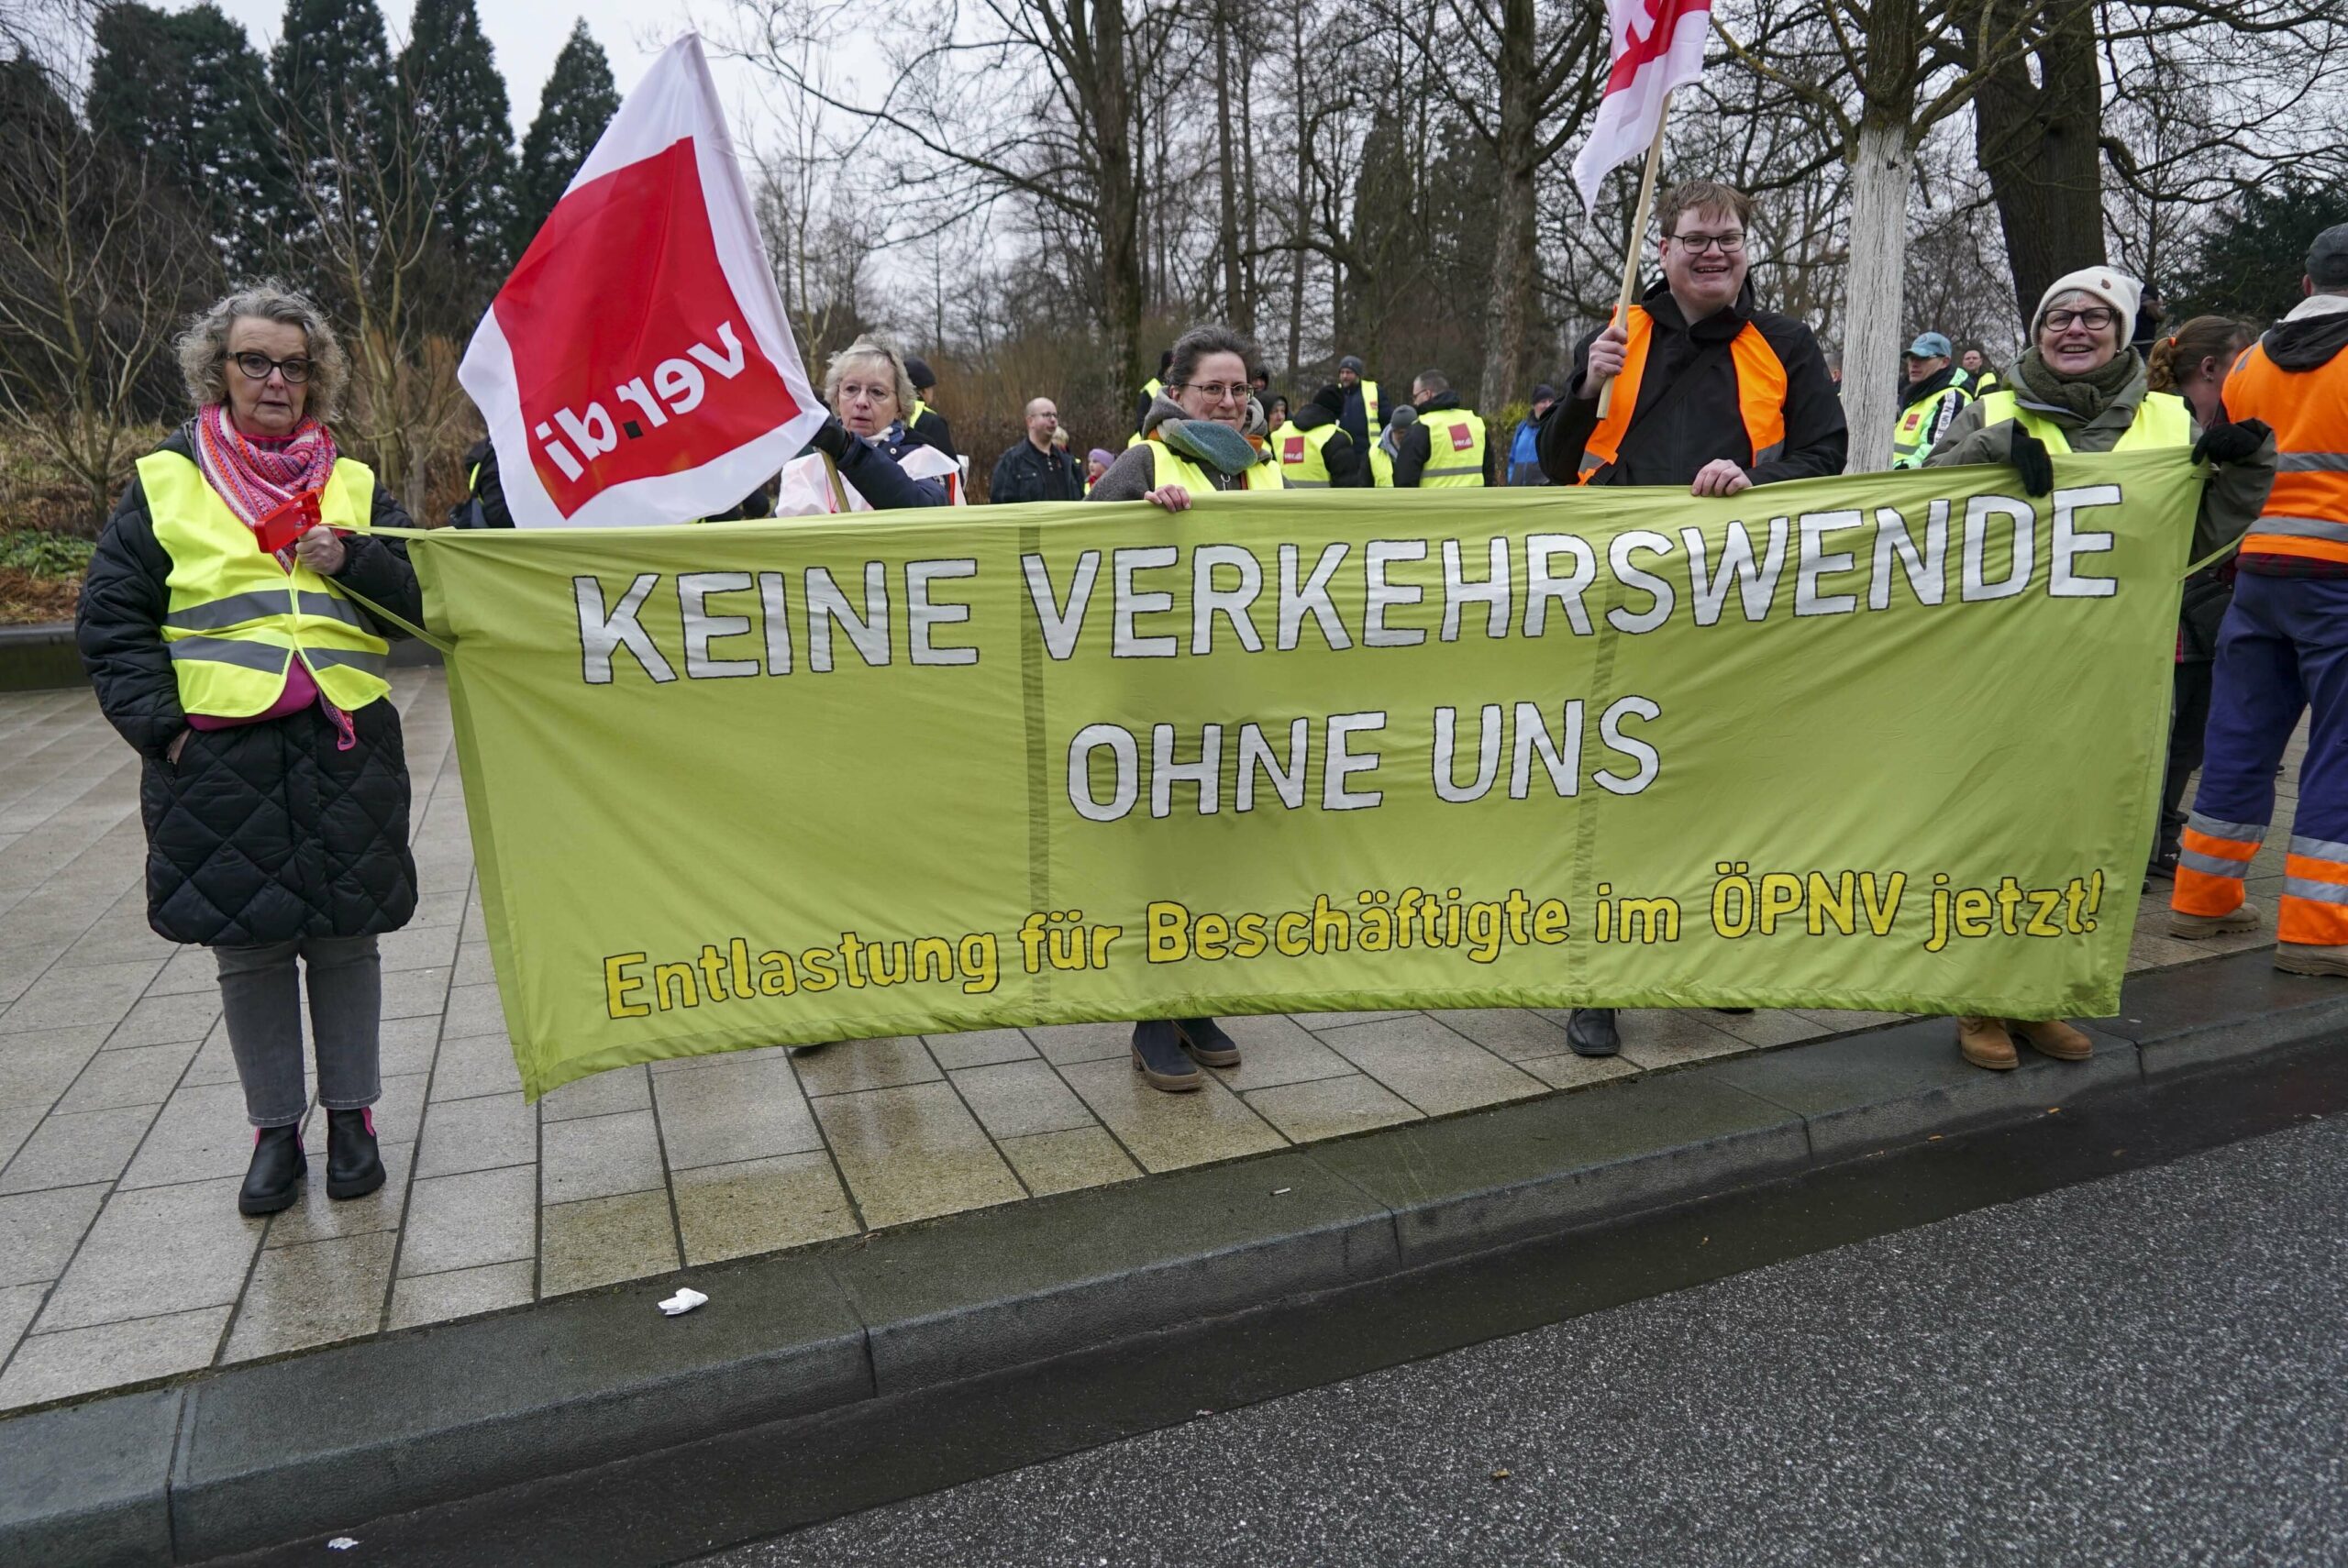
[1891,741]
[636,368]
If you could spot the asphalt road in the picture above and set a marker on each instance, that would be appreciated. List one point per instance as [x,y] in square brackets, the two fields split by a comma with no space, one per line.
[2146,1369]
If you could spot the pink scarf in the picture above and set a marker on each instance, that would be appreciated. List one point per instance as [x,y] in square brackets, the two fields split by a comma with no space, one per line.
[257,474]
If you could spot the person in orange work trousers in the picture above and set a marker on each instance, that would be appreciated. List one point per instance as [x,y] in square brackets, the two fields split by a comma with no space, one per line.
[2283,649]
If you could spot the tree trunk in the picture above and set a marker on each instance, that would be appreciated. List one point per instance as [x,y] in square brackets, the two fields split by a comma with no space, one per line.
[1880,177]
[1512,253]
[2037,142]
[1234,294]
[1121,279]
[1251,281]
[1304,169]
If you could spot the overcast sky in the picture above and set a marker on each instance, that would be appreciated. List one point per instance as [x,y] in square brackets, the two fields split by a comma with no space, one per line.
[527,34]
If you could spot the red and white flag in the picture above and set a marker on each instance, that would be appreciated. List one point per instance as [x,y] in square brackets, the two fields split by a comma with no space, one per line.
[637,368]
[1657,45]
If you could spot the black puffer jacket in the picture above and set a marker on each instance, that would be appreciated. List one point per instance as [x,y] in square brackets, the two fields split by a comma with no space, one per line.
[263,832]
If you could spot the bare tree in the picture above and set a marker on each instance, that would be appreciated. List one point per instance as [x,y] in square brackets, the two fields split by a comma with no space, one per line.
[370,201]
[96,268]
[1525,75]
[1040,99]
[1884,72]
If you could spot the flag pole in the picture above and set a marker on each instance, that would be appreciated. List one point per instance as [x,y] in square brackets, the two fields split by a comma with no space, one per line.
[1638,237]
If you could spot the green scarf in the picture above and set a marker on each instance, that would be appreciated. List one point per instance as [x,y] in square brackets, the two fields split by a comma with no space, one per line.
[1210,443]
[2085,396]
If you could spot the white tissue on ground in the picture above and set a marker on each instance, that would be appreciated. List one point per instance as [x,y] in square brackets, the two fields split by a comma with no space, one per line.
[685,1300]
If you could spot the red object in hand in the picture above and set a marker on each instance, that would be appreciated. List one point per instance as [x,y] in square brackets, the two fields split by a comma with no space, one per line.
[282,525]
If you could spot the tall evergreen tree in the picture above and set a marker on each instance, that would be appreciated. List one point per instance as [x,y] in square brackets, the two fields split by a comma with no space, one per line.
[464,147]
[332,72]
[185,95]
[577,103]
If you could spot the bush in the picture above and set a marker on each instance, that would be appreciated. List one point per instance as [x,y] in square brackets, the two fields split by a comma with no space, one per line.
[40,553]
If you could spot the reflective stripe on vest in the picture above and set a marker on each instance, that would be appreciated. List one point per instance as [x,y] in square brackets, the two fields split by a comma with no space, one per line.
[1172,467]
[1909,449]
[1455,448]
[236,618]
[1303,454]
[1760,397]
[2163,419]
[2306,514]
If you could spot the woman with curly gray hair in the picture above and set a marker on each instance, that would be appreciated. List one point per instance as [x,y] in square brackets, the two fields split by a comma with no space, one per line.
[229,622]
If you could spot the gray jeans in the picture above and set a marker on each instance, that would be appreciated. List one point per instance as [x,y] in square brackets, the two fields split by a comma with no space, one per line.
[261,999]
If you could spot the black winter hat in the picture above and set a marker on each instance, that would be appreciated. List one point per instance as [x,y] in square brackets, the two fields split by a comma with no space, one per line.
[1329,398]
[918,372]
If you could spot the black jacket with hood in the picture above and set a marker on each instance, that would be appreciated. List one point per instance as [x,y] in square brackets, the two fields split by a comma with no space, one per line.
[1413,448]
[1705,422]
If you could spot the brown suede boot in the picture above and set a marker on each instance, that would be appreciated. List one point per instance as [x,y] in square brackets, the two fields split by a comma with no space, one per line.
[1984,1042]
[2053,1037]
[2194,927]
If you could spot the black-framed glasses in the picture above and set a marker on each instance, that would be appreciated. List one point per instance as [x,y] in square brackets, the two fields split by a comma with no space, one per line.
[1697,244]
[1216,392]
[2094,318]
[257,367]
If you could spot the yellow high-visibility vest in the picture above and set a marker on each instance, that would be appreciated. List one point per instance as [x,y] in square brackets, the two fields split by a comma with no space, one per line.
[1172,467]
[1909,447]
[1455,448]
[1304,456]
[236,620]
[1370,408]
[2163,419]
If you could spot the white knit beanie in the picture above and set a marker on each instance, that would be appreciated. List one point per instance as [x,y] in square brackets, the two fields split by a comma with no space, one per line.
[2114,288]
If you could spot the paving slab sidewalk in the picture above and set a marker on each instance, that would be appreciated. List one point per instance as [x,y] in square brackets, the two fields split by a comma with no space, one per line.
[123,1261]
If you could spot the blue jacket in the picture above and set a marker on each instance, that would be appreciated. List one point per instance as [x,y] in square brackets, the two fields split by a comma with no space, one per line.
[1523,457]
[871,467]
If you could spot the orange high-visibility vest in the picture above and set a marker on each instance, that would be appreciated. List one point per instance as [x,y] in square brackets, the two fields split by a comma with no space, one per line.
[1760,397]
[2307,512]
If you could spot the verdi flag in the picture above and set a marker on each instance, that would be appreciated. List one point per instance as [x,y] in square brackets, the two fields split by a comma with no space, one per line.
[1653,46]
[636,368]
[1884,741]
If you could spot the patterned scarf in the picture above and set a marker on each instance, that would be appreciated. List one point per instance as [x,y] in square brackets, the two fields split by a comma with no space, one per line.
[255,475]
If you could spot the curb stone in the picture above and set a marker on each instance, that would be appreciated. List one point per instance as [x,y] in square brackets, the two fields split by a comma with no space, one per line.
[244,1457]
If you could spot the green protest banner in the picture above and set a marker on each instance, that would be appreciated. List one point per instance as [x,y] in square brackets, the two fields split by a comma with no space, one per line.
[1891,741]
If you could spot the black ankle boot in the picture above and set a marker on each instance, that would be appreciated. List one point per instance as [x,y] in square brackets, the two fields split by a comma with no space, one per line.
[1204,1039]
[274,1178]
[1591,1032]
[1159,1057]
[354,1168]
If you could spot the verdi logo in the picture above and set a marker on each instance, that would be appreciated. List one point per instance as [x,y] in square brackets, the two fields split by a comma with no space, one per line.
[678,387]
[632,357]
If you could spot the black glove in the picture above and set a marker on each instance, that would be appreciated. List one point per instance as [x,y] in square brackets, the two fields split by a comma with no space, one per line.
[831,439]
[2234,443]
[2028,455]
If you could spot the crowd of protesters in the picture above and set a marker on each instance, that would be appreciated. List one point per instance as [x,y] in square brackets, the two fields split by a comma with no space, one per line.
[275,797]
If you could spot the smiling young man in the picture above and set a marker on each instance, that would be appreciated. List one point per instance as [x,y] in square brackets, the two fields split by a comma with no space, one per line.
[1713,393]
[1710,392]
